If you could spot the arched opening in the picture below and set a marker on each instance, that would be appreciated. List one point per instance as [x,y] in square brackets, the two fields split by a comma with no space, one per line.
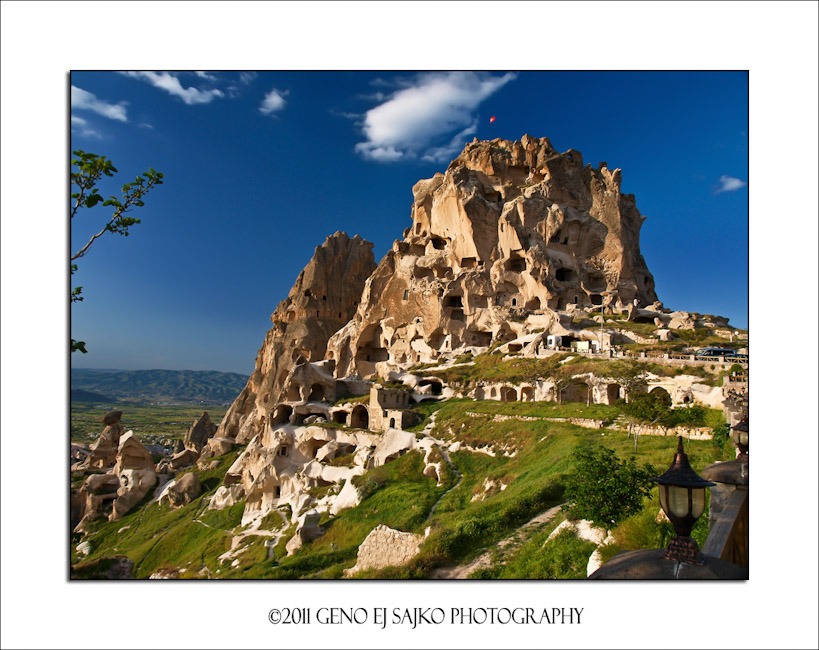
[392,423]
[360,417]
[314,446]
[509,394]
[565,275]
[291,316]
[454,301]
[293,393]
[614,392]
[661,394]
[340,417]
[435,386]
[493,393]
[282,377]
[595,282]
[515,347]
[575,392]
[533,304]
[516,264]
[596,299]
[316,393]
[480,393]
[438,244]
[282,414]
[527,394]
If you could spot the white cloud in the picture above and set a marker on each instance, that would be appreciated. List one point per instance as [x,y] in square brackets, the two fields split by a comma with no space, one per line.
[80,126]
[415,119]
[273,101]
[145,125]
[204,74]
[83,100]
[246,77]
[729,184]
[171,84]
[448,151]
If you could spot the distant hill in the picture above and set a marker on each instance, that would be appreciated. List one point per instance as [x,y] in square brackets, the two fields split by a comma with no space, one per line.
[177,386]
[80,395]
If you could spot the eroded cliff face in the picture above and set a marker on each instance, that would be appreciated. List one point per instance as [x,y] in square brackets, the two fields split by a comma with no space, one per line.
[511,230]
[323,298]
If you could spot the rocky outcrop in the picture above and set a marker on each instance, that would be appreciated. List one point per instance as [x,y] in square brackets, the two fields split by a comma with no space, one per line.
[385,547]
[307,529]
[136,473]
[323,298]
[184,490]
[93,500]
[512,230]
[104,451]
[200,432]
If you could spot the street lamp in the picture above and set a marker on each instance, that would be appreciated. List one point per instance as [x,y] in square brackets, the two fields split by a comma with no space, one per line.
[682,497]
[739,435]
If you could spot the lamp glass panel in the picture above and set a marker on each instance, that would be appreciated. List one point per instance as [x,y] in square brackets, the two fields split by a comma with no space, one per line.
[678,500]
[697,502]
[664,498]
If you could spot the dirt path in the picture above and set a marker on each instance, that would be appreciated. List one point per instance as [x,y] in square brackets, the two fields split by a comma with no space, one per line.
[506,546]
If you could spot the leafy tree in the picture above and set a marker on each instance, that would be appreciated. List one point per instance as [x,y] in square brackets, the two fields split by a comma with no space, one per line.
[87,169]
[630,374]
[646,410]
[561,376]
[604,489]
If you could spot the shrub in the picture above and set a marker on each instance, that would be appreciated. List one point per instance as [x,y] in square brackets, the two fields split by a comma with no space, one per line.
[604,489]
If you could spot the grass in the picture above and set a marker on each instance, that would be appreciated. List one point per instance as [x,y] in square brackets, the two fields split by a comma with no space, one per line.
[159,536]
[399,496]
[564,557]
[353,399]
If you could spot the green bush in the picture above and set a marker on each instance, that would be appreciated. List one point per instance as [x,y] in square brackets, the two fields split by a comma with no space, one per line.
[604,489]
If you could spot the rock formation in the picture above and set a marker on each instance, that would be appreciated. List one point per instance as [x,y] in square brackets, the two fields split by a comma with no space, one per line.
[324,298]
[104,451]
[136,472]
[384,547]
[184,490]
[200,432]
[511,231]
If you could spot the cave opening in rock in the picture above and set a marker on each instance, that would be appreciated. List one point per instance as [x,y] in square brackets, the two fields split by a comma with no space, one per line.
[360,417]
[316,393]
[282,414]
[565,275]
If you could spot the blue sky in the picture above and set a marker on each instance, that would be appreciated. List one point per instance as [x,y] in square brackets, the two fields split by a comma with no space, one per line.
[261,166]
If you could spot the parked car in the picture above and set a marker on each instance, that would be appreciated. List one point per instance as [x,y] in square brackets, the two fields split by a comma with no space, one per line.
[716,352]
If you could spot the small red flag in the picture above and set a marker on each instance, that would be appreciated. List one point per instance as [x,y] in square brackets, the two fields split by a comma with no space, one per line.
[491,119]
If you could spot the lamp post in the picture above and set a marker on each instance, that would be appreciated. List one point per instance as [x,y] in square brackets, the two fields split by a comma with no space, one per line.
[739,436]
[682,497]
